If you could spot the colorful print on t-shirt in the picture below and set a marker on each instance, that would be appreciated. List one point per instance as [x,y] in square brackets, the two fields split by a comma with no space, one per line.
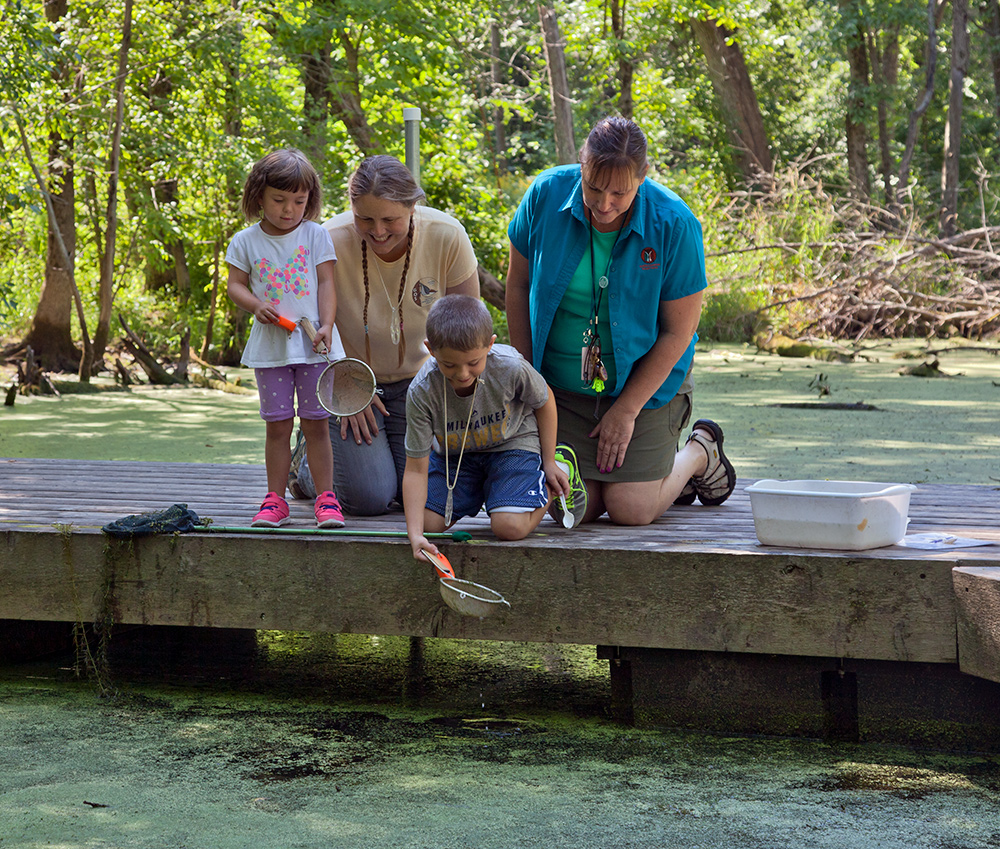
[293,279]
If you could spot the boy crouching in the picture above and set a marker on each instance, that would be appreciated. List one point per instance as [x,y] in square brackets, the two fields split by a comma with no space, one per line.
[481,429]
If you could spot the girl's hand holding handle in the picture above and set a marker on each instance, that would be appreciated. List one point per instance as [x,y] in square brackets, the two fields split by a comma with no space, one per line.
[324,336]
[265,314]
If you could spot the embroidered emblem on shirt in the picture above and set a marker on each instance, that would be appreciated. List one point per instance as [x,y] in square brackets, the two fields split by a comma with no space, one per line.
[648,259]
[425,292]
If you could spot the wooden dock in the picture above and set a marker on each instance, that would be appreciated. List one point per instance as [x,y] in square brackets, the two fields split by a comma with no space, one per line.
[702,625]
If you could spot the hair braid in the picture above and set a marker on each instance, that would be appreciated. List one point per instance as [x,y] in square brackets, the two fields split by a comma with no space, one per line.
[402,287]
[364,275]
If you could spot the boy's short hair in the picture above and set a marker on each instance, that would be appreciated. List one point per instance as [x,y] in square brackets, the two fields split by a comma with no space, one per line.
[459,322]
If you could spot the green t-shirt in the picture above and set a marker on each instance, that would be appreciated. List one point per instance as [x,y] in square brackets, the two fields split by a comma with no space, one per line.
[561,361]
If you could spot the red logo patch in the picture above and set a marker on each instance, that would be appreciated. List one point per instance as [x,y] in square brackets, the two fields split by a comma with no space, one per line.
[648,256]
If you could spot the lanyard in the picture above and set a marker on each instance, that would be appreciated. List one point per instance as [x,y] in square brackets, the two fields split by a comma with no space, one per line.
[593,372]
[448,482]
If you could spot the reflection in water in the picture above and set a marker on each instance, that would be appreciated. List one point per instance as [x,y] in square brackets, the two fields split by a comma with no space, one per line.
[459,675]
[454,676]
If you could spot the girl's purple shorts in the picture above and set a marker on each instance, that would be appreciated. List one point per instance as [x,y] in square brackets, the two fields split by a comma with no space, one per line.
[278,387]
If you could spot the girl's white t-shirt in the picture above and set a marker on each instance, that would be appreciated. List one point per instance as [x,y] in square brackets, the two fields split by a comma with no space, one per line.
[282,272]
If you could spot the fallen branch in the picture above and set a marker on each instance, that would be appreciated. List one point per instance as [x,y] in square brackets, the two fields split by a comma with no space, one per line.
[31,380]
[123,374]
[492,290]
[156,373]
[216,374]
[206,382]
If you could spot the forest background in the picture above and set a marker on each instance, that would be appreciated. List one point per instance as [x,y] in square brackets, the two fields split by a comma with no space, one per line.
[839,154]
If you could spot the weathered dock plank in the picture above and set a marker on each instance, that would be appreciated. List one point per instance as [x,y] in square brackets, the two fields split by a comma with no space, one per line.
[776,604]
[977,600]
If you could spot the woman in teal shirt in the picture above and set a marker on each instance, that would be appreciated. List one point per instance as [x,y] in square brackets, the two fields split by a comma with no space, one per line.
[604,292]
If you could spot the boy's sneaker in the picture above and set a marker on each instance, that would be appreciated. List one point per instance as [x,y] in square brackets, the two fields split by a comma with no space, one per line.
[328,512]
[576,501]
[273,512]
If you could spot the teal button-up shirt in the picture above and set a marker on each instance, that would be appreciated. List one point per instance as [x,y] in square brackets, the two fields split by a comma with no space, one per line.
[659,257]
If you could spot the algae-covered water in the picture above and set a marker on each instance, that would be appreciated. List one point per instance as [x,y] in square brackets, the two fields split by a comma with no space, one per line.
[782,417]
[311,740]
[331,743]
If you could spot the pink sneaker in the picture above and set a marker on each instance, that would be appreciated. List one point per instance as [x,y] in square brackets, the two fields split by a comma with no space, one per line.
[328,512]
[273,512]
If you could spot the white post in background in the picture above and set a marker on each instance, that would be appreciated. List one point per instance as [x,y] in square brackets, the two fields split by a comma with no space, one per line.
[411,135]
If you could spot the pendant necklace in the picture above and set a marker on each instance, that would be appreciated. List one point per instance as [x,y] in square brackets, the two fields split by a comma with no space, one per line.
[449,483]
[396,336]
[396,319]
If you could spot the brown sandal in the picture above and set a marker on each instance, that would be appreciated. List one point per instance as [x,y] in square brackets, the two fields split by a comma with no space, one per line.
[719,480]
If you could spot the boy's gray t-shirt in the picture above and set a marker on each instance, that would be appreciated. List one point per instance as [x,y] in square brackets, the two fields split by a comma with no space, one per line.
[504,416]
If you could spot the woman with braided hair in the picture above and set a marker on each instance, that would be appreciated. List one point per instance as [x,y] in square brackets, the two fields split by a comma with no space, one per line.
[395,257]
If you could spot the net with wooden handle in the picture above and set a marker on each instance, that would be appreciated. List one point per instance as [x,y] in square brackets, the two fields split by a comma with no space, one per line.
[347,385]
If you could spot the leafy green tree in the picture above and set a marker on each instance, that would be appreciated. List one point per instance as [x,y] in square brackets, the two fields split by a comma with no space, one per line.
[213,86]
[43,72]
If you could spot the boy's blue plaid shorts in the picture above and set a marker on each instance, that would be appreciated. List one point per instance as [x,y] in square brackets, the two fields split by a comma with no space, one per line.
[499,479]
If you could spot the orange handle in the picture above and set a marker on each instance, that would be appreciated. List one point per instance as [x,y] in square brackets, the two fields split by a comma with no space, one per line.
[287,323]
[441,564]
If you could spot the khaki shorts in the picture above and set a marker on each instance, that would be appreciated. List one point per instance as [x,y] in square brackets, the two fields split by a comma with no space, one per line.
[650,454]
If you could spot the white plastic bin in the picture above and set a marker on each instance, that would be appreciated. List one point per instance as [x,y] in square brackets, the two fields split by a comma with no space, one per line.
[842,515]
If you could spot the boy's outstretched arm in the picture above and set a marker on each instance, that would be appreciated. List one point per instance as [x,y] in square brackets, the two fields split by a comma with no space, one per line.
[414,503]
[548,420]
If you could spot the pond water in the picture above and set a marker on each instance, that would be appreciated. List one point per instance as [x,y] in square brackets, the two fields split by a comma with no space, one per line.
[303,740]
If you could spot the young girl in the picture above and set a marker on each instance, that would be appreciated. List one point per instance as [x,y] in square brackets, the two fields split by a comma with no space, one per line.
[281,267]
[396,257]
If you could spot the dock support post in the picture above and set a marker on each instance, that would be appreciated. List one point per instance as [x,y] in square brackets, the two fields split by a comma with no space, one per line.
[840,703]
[934,705]
[621,684]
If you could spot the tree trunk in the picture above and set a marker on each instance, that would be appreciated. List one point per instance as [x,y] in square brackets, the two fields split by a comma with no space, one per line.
[626,68]
[165,198]
[316,103]
[740,107]
[991,22]
[562,105]
[236,319]
[346,97]
[491,289]
[497,78]
[923,102]
[213,303]
[107,283]
[857,106]
[948,224]
[50,334]
[885,68]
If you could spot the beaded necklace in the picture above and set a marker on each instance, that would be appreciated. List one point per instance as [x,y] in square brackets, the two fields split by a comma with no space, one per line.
[396,335]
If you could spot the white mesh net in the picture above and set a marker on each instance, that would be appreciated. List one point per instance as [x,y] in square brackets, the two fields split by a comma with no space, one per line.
[346,387]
